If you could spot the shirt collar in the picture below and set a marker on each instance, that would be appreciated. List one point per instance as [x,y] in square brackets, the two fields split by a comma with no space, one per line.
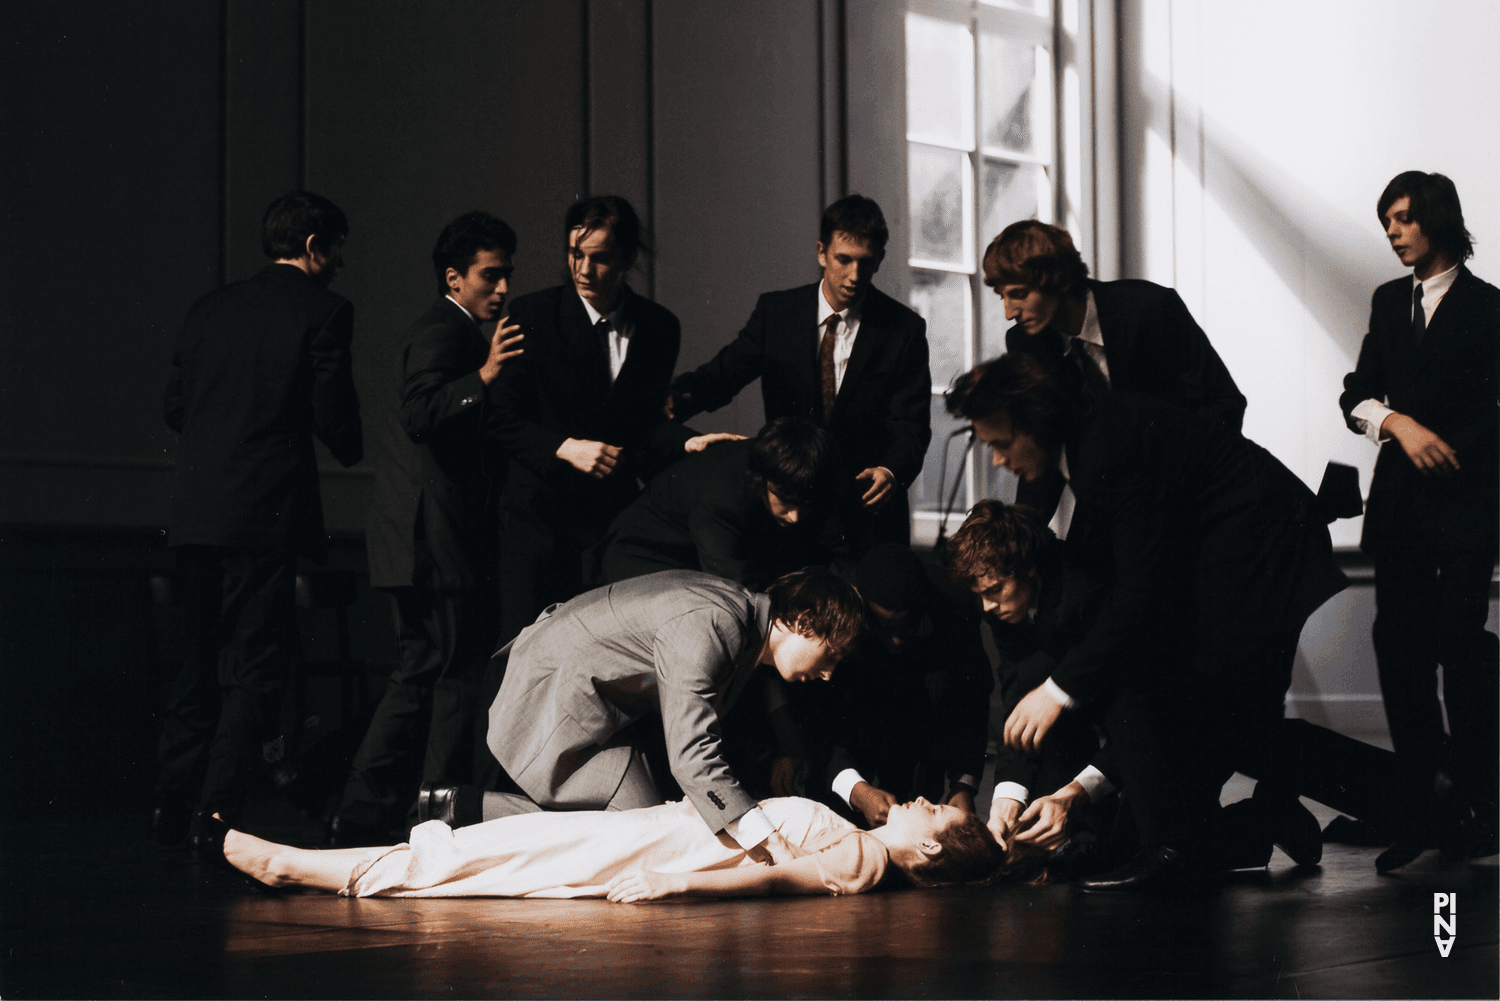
[595,316]
[460,306]
[1437,284]
[846,314]
[1091,331]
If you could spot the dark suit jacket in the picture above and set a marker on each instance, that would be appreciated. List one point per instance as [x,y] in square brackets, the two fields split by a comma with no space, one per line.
[560,389]
[909,721]
[433,518]
[882,416]
[259,368]
[699,514]
[680,645]
[1203,538]
[1449,385]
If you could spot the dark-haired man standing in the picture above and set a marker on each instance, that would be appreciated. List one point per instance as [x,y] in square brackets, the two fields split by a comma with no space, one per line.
[432,535]
[260,367]
[843,354]
[580,413]
[1424,388]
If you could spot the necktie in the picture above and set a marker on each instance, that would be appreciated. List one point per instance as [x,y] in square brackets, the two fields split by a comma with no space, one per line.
[827,371]
[1418,314]
[1094,382]
[601,331]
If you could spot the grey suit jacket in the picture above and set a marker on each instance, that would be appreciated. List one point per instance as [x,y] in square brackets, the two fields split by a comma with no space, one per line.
[679,642]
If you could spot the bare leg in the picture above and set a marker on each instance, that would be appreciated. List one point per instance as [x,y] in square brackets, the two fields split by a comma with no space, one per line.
[280,865]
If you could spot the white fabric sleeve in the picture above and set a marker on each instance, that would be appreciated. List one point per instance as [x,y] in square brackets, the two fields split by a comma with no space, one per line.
[1094,783]
[1371,414]
[1061,697]
[969,780]
[1010,790]
[750,829]
[844,783]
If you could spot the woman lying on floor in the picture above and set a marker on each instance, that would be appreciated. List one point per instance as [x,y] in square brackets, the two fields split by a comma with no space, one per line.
[655,853]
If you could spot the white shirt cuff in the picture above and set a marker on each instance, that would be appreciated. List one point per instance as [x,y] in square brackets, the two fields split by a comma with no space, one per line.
[1061,697]
[1010,790]
[967,780]
[750,828]
[844,783]
[1371,414]
[1094,783]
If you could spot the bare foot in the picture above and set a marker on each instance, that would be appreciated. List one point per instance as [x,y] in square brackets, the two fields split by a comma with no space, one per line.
[252,856]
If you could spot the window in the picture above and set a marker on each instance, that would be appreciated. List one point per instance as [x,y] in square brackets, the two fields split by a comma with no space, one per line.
[982,116]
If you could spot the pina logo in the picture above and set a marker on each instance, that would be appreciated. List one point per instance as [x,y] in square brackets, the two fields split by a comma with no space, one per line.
[1444,925]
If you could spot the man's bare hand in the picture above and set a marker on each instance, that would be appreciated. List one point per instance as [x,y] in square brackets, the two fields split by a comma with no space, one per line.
[775,850]
[592,457]
[785,771]
[963,798]
[874,803]
[881,481]
[1005,818]
[502,349]
[669,409]
[1426,450]
[1029,722]
[1045,822]
[701,442]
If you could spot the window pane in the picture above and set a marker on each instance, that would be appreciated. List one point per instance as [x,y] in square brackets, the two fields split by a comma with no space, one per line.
[1009,192]
[1039,7]
[942,299]
[939,81]
[1009,115]
[936,482]
[936,181]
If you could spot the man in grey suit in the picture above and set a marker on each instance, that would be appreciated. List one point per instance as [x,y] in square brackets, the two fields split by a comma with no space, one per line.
[585,679]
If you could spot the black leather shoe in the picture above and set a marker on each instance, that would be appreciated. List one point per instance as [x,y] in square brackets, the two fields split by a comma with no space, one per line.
[206,837]
[1158,868]
[1292,828]
[456,806]
[1343,830]
[345,833]
[1398,855]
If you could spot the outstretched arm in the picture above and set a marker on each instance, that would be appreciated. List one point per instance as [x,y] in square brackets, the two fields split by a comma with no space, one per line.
[799,876]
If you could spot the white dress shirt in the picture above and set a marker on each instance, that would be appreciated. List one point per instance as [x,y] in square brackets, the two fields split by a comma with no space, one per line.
[620,331]
[845,333]
[1372,413]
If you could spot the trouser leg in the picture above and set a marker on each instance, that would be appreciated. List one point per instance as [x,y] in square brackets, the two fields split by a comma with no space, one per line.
[1406,652]
[1470,656]
[456,751]
[191,710]
[253,671]
[384,773]
[637,788]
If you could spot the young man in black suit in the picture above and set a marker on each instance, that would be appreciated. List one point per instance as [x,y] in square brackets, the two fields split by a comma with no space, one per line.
[1131,335]
[1213,557]
[1426,380]
[580,413]
[749,511]
[259,368]
[843,354]
[432,533]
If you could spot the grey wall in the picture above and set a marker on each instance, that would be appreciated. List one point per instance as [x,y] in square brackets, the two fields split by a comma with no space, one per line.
[140,143]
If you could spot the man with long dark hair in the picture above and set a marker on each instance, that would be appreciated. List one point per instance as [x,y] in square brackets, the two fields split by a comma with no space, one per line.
[1424,388]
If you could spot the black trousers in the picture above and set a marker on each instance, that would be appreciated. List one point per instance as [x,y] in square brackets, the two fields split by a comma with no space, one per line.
[222,720]
[435,699]
[1430,609]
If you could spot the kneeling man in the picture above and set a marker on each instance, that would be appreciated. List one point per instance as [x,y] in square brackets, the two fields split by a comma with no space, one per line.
[680,644]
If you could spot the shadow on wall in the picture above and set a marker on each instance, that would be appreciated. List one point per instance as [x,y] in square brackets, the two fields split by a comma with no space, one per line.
[1330,262]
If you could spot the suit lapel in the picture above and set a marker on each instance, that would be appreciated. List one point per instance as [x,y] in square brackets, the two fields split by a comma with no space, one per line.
[589,358]
[638,342]
[1115,329]
[1446,318]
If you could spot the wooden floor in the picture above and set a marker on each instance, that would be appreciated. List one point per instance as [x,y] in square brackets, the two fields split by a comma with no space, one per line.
[92,912]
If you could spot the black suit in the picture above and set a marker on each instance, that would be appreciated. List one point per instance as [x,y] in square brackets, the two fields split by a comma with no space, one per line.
[259,368]
[1153,347]
[1434,537]
[1213,558]
[882,414]
[552,514]
[700,514]
[432,532]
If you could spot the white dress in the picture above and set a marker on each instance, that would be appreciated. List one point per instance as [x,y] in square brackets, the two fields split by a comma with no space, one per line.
[576,854]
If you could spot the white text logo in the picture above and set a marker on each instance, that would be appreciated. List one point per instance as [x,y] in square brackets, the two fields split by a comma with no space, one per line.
[1444,925]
